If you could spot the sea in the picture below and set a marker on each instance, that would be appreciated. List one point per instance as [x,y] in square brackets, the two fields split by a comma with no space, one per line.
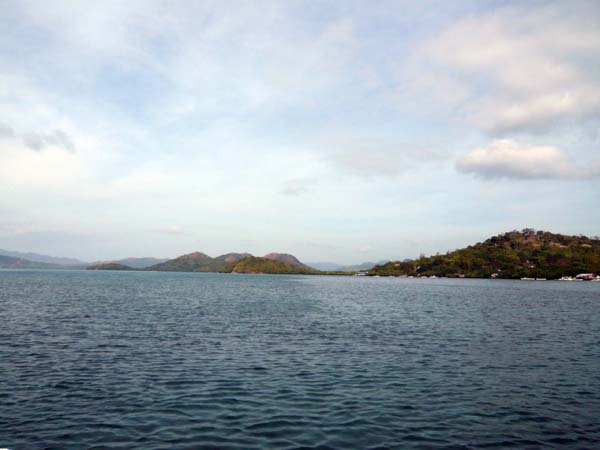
[156,360]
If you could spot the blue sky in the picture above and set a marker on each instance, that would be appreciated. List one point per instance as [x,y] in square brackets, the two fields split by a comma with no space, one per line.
[337,131]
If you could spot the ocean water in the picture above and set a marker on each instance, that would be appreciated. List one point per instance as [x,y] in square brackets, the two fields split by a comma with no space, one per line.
[119,360]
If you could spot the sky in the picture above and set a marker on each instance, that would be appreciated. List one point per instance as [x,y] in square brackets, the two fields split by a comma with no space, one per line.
[341,131]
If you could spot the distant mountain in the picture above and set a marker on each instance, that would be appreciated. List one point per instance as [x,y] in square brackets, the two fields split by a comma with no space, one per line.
[10,262]
[517,254]
[325,265]
[201,262]
[185,263]
[140,263]
[257,265]
[344,268]
[35,257]
[285,258]
[109,266]
[232,257]
[364,266]
[198,262]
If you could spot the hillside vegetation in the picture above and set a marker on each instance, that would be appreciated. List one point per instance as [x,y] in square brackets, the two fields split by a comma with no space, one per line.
[200,262]
[192,262]
[516,254]
[253,264]
[139,263]
[284,258]
[109,266]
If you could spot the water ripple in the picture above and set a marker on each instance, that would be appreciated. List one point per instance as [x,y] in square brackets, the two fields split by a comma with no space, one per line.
[155,360]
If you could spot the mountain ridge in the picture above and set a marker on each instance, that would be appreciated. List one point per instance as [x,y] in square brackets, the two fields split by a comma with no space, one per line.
[109,266]
[139,262]
[37,257]
[198,262]
[201,262]
[10,262]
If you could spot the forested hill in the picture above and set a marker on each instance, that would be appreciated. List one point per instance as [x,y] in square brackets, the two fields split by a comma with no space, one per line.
[109,266]
[200,262]
[253,264]
[516,254]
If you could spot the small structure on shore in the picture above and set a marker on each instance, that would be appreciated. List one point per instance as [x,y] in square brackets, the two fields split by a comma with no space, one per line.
[586,276]
[581,277]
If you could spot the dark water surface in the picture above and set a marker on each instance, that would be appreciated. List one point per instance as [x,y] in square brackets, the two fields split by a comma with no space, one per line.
[185,361]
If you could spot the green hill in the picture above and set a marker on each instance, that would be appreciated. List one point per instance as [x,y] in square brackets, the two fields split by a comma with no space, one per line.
[258,265]
[185,263]
[109,266]
[285,258]
[516,254]
[198,262]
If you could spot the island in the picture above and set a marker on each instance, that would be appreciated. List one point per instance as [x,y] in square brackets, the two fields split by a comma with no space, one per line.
[109,266]
[265,265]
[526,254]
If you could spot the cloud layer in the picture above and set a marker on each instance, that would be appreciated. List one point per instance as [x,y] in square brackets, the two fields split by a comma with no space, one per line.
[525,77]
[379,158]
[524,69]
[509,159]
[165,127]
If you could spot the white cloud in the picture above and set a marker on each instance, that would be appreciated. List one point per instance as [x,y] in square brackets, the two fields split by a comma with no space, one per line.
[6,131]
[374,158]
[39,140]
[508,159]
[527,69]
[208,115]
[297,186]
[28,170]
[241,58]
[56,138]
